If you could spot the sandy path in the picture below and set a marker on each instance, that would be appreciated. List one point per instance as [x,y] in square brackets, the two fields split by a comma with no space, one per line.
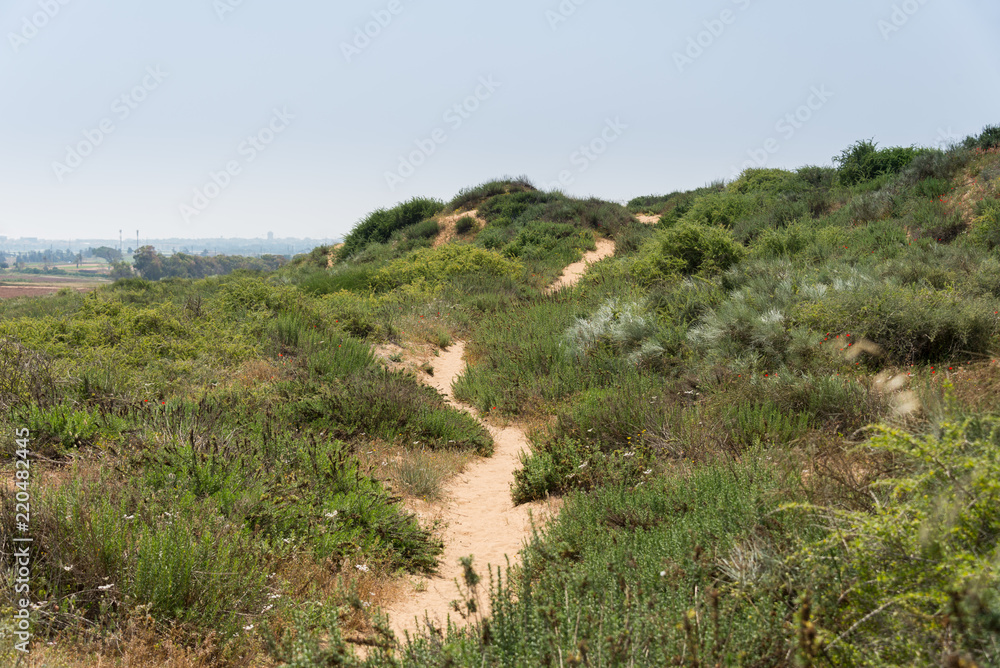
[572,273]
[481,519]
[647,219]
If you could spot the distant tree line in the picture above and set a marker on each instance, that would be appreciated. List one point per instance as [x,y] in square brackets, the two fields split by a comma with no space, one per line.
[52,256]
[152,266]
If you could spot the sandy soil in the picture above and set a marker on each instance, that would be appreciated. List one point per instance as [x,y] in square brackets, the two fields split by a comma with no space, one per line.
[479,517]
[35,290]
[572,273]
[647,219]
[447,224]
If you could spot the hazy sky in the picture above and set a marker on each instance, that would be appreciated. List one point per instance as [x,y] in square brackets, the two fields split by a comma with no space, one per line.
[208,118]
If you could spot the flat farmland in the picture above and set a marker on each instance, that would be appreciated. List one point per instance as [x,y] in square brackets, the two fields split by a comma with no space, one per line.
[13,286]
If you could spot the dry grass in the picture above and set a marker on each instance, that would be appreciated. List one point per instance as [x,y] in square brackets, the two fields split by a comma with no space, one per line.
[254,372]
[415,474]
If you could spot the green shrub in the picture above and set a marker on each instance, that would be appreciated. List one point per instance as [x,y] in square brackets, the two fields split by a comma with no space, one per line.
[387,405]
[465,224]
[931,219]
[65,426]
[512,206]
[492,238]
[468,198]
[985,230]
[631,239]
[872,206]
[342,277]
[989,138]
[787,242]
[644,574]
[817,177]
[764,423]
[26,377]
[758,180]
[444,262]
[378,226]
[921,562]
[723,208]
[909,324]
[536,239]
[864,161]
[700,247]
[932,188]
[426,229]
[937,166]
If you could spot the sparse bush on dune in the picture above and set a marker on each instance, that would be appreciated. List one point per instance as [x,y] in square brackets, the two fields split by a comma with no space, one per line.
[449,260]
[469,198]
[864,161]
[700,248]
[465,224]
[378,226]
[723,208]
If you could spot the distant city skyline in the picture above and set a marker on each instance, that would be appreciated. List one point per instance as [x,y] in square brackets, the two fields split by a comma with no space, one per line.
[224,118]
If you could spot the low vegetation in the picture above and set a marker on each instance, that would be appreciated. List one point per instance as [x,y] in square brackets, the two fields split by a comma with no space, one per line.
[773,419]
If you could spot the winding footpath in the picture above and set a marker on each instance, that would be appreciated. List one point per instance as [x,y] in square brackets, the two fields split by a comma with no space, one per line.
[478,515]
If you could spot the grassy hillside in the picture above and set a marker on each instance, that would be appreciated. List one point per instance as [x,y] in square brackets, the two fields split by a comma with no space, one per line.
[772,416]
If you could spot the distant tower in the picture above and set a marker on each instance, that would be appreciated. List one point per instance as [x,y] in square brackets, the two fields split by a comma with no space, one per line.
[270,236]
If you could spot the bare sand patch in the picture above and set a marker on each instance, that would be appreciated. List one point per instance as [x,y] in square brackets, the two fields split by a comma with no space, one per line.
[447,223]
[478,517]
[572,273]
[477,512]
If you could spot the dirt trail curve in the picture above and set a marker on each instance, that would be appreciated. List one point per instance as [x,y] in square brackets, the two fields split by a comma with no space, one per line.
[479,517]
[572,273]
